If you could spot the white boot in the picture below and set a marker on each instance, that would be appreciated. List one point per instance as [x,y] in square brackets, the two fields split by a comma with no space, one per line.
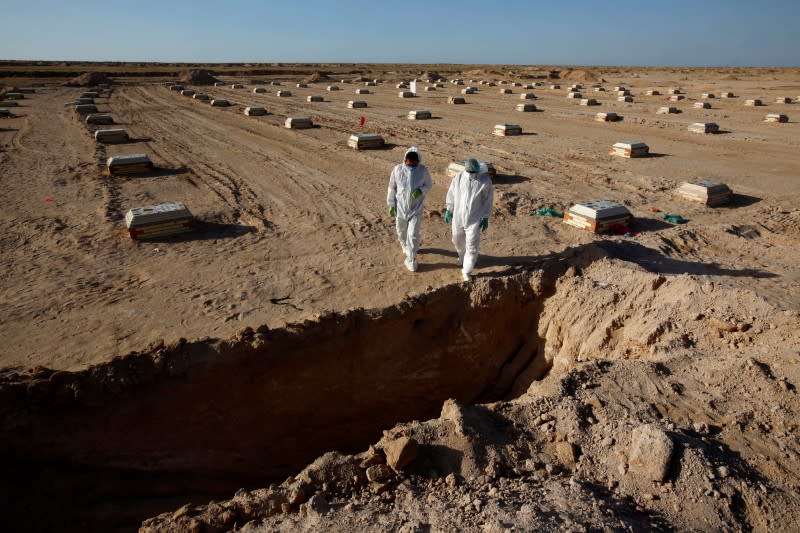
[466,276]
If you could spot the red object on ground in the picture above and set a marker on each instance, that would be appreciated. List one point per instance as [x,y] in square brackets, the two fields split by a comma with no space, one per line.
[361,121]
[47,199]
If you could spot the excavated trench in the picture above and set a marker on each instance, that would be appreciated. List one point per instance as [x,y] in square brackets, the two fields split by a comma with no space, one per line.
[109,446]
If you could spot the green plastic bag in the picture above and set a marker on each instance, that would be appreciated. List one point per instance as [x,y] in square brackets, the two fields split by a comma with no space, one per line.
[548,212]
[674,219]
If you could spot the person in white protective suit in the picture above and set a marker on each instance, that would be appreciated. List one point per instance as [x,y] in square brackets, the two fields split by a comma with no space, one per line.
[468,206]
[409,183]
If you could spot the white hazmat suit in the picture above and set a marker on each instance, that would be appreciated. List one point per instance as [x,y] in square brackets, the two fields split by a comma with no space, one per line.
[469,199]
[403,181]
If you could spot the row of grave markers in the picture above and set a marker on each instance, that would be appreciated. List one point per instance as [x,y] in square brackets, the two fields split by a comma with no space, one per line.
[596,216]
[141,222]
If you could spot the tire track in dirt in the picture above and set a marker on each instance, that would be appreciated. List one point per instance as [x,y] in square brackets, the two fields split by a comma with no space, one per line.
[174,147]
[287,178]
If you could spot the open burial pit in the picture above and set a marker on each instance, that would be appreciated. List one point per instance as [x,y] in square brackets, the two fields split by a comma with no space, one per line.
[121,441]
[140,436]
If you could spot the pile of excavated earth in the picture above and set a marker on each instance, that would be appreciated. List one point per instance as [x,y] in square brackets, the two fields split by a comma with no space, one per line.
[89,79]
[198,77]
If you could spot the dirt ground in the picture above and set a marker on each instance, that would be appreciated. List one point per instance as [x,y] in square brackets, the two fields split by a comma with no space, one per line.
[295,224]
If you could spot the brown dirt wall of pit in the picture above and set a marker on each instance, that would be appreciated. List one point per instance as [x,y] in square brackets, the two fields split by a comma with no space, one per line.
[118,442]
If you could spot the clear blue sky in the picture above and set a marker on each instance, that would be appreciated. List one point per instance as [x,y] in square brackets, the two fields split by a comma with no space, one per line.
[579,32]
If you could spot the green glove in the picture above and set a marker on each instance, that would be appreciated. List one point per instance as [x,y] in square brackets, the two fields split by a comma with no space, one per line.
[416,193]
[448,216]
[392,211]
[484,224]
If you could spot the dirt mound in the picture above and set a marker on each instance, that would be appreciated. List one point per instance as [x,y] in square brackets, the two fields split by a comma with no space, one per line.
[479,73]
[580,75]
[432,76]
[197,77]
[316,76]
[89,79]
[729,77]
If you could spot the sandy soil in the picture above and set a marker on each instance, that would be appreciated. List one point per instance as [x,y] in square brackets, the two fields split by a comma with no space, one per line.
[297,222]
[657,389]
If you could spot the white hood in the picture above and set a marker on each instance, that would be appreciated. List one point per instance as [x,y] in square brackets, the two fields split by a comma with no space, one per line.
[413,149]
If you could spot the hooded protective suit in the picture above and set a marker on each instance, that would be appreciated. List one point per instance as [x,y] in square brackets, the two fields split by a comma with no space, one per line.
[469,199]
[403,181]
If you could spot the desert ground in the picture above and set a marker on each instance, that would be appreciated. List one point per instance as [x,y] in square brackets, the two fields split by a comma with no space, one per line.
[576,341]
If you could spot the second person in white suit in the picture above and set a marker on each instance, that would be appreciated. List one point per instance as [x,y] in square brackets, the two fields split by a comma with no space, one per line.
[469,205]
[409,183]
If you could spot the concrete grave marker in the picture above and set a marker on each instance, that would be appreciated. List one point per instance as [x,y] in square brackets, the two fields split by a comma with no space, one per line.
[364,141]
[111,136]
[507,130]
[707,192]
[630,149]
[159,220]
[255,111]
[128,164]
[419,114]
[775,117]
[607,117]
[298,123]
[83,109]
[598,216]
[704,127]
[99,118]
